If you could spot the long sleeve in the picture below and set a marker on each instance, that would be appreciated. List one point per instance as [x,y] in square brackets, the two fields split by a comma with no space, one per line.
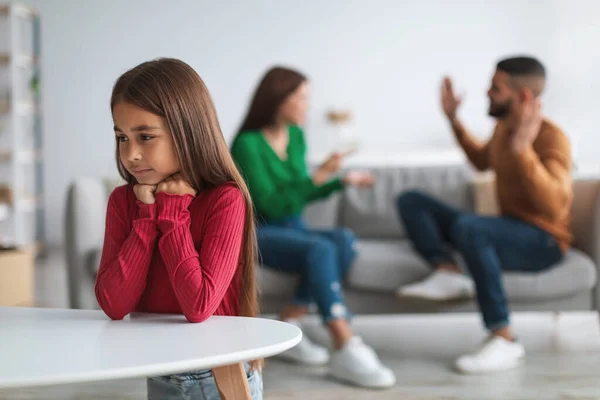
[477,152]
[126,256]
[272,199]
[321,191]
[325,190]
[545,175]
[200,278]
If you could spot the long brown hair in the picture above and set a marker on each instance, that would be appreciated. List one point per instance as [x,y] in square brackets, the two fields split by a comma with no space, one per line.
[171,89]
[274,87]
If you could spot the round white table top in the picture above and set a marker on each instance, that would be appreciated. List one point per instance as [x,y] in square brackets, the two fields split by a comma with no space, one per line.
[56,346]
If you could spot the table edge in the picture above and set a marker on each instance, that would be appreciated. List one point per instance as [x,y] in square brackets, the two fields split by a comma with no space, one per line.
[154,369]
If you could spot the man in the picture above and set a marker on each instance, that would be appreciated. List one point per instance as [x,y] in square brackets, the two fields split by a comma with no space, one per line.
[531,158]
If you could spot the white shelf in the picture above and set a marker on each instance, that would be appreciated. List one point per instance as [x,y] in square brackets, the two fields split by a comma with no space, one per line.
[4,211]
[20,157]
[25,108]
[27,204]
[22,108]
[21,60]
[20,111]
[20,10]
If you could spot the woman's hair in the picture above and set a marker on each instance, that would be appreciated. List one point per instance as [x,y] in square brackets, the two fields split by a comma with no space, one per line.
[275,86]
[171,89]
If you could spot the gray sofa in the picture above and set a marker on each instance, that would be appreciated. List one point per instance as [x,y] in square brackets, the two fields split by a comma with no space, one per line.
[386,259]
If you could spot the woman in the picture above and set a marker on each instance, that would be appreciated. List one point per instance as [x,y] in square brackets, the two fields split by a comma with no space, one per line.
[270,152]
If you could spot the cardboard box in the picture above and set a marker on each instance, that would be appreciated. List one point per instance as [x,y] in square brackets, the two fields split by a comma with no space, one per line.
[5,194]
[16,277]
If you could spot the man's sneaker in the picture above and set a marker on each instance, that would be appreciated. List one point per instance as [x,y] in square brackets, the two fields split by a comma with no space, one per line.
[357,364]
[440,286]
[496,354]
[306,352]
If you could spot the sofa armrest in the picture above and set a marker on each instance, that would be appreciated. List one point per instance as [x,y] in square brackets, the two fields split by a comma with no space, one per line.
[483,188]
[85,216]
[585,223]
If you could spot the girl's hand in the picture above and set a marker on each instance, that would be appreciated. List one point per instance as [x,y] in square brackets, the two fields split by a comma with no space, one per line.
[359,178]
[175,184]
[145,193]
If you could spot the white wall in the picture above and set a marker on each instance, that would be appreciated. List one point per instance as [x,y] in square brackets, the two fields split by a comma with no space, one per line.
[382,59]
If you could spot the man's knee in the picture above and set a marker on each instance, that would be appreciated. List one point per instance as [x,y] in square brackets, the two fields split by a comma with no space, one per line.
[465,229]
[409,200]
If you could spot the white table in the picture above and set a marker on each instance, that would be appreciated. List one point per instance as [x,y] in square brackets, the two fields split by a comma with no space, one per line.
[57,346]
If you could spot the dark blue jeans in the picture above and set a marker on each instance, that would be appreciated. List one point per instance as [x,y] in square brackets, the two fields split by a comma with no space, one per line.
[488,245]
[321,259]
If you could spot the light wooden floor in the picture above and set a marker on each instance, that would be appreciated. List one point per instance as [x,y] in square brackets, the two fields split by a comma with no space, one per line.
[563,360]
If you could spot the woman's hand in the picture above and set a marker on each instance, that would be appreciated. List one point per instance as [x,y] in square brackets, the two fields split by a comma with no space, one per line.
[333,163]
[145,193]
[176,185]
[329,167]
[359,179]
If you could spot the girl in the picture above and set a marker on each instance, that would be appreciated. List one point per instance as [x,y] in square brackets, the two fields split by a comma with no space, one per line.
[180,236]
[269,150]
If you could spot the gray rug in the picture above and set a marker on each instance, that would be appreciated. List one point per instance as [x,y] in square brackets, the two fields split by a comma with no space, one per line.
[343,393]
[96,393]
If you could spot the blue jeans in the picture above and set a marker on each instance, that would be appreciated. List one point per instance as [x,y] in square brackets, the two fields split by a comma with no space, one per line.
[321,258]
[488,245]
[196,385]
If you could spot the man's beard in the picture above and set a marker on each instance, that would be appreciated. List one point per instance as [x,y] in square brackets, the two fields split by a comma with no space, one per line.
[500,111]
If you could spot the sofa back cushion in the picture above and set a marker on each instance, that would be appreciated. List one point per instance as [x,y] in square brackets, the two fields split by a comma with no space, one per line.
[372,213]
[324,214]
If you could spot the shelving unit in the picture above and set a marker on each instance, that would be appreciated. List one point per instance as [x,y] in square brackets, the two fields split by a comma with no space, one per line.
[21,161]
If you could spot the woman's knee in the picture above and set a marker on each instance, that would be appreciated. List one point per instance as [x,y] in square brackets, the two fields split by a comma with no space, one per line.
[322,254]
[346,239]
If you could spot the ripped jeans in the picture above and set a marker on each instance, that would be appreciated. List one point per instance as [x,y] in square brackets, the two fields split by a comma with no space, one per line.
[321,258]
[197,385]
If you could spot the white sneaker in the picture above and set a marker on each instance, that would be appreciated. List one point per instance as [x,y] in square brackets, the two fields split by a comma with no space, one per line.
[306,352]
[496,354]
[440,286]
[357,363]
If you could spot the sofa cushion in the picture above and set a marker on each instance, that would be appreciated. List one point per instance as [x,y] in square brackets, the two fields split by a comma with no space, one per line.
[386,265]
[93,262]
[274,283]
[323,214]
[372,213]
[576,273]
